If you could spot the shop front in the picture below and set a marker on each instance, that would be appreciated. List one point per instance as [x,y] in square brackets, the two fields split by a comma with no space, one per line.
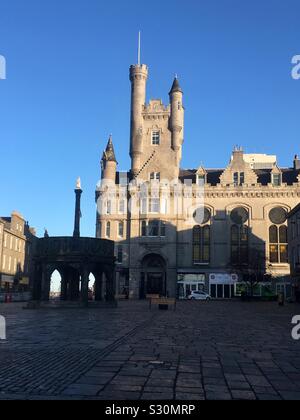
[188,283]
[223,286]
[6,282]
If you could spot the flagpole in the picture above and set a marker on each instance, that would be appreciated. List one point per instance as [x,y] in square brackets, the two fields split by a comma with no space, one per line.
[139,49]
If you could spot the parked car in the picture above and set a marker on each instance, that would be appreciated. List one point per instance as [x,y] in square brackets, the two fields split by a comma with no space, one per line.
[199,296]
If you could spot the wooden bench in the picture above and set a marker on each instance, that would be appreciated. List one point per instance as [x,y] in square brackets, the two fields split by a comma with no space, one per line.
[121,297]
[164,302]
[149,297]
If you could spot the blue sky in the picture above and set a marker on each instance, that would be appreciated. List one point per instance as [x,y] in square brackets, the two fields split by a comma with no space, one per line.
[67,89]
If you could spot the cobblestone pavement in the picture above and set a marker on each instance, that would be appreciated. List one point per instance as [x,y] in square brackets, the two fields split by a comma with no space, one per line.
[216,350]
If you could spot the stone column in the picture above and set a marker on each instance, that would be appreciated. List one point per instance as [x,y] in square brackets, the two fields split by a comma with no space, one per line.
[64,286]
[98,286]
[76,233]
[73,285]
[37,283]
[110,284]
[46,280]
[85,287]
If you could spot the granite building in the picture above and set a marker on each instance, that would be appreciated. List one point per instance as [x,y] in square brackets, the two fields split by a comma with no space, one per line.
[16,243]
[294,247]
[177,230]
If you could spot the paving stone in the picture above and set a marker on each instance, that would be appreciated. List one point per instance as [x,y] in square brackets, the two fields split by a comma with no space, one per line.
[84,390]
[242,386]
[257,380]
[243,395]
[290,396]
[147,396]
[108,354]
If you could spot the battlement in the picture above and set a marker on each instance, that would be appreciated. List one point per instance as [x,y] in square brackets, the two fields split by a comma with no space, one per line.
[138,70]
[156,106]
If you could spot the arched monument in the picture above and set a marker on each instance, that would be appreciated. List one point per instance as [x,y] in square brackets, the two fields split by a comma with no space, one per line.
[75,258]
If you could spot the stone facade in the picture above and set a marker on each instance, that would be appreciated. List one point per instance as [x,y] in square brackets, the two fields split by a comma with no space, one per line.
[16,247]
[179,230]
[294,247]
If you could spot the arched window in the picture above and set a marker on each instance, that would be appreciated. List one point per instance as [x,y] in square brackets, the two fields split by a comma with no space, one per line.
[239,244]
[278,238]
[144,228]
[108,229]
[201,245]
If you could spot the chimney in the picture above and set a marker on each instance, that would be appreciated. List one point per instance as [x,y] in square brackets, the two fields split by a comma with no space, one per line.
[296,163]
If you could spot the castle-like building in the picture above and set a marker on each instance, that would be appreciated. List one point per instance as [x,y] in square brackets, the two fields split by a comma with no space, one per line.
[179,230]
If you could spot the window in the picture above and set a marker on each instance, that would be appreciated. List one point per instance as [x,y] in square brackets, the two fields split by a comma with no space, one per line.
[239,244]
[120,254]
[144,228]
[155,176]
[276,180]
[122,207]
[108,207]
[201,180]
[153,228]
[108,229]
[278,244]
[155,138]
[278,236]
[201,245]
[154,205]
[163,229]
[278,216]
[238,179]
[121,229]
[144,202]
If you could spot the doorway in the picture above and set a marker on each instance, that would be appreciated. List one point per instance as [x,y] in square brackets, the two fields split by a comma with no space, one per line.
[153,276]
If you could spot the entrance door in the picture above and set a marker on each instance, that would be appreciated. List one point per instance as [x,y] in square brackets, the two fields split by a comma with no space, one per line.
[155,284]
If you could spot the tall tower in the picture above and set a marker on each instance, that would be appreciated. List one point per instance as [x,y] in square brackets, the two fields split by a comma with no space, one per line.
[177,118]
[138,78]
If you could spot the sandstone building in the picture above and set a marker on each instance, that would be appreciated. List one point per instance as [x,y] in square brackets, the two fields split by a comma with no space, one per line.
[178,230]
[16,242]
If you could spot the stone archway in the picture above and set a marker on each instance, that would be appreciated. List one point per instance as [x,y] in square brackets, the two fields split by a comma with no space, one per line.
[153,276]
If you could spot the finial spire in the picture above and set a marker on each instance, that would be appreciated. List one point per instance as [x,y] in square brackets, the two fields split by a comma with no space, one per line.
[78,184]
[109,153]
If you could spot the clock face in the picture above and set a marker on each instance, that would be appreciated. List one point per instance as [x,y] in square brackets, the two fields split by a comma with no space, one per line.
[239,216]
[202,215]
[278,215]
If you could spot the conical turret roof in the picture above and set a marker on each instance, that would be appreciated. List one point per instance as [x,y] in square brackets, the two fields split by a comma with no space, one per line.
[109,154]
[176,86]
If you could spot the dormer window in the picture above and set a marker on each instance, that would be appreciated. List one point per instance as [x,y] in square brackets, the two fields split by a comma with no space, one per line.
[155,176]
[155,138]
[276,180]
[201,180]
[238,179]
